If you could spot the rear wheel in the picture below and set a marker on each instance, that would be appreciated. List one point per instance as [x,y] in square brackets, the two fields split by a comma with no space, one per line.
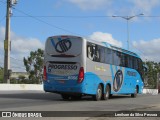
[98,95]
[106,95]
[135,93]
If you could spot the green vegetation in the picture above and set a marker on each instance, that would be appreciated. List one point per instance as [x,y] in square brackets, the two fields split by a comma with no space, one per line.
[20,80]
[34,66]
[151,74]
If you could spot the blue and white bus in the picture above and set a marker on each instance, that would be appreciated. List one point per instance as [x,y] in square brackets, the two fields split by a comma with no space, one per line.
[75,66]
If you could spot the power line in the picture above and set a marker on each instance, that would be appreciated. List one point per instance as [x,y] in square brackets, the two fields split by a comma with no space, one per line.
[51,25]
[70,16]
[62,16]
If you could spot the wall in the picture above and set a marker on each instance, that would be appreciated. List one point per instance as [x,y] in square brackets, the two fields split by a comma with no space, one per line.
[21,87]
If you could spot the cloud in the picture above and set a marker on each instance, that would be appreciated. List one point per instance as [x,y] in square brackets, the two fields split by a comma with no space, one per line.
[105,37]
[20,47]
[133,7]
[114,7]
[91,4]
[145,5]
[150,49]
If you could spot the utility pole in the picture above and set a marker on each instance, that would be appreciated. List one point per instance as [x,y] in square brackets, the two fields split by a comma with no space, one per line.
[7,42]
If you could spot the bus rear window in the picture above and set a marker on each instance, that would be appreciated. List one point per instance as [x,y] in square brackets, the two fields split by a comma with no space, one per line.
[59,46]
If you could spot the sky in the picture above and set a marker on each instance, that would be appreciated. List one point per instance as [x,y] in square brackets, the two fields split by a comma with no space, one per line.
[32,21]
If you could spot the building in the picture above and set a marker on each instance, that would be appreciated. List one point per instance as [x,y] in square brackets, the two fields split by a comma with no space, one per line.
[15,75]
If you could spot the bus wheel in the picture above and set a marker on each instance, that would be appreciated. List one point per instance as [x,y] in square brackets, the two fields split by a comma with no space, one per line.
[135,93]
[106,95]
[65,97]
[98,95]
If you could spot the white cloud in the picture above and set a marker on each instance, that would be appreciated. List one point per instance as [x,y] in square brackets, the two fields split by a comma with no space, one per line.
[133,7]
[25,45]
[20,44]
[105,37]
[21,47]
[91,4]
[150,49]
[145,5]
[113,7]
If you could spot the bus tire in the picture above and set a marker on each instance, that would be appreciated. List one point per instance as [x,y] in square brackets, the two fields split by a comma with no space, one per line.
[106,95]
[65,97]
[98,95]
[134,95]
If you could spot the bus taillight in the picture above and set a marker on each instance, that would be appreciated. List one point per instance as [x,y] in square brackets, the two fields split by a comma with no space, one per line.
[44,73]
[81,75]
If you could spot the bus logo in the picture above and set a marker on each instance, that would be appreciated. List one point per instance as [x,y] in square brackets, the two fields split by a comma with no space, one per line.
[63,45]
[118,79]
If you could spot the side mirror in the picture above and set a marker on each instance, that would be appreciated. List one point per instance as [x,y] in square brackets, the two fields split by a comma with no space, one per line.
[145,68]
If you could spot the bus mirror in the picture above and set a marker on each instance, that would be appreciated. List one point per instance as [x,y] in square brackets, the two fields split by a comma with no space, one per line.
[145,68]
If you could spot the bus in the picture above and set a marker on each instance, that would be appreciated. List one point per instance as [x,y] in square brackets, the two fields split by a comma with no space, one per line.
[75,67]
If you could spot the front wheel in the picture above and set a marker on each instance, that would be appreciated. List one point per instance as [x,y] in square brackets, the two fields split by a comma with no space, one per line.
[134,95]
[98,95]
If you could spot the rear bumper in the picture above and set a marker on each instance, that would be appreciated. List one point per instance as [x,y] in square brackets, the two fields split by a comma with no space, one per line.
[63,89]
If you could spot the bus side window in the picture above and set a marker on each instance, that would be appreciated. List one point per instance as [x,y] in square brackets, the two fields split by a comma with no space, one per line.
[126,60]
[96,53]
[116,58]
[140,66]
[108,56]
[90,53]
[135,63]
[122,60]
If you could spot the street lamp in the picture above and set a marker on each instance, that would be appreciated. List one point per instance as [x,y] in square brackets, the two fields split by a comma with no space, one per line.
[128,18]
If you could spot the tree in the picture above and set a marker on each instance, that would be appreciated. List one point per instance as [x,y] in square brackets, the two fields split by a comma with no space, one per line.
[151,75]
[34,66]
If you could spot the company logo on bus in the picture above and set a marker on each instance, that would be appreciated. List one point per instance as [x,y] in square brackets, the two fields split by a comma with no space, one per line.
[63,45]
[61,67]
[118,79]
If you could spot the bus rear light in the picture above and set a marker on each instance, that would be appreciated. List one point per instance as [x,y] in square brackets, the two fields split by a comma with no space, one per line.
[81,75]
[44,73]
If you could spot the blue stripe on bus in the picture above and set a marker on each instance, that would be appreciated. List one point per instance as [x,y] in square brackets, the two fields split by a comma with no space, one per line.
[116,68]
[112,72]
[52,41]
[120,67]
